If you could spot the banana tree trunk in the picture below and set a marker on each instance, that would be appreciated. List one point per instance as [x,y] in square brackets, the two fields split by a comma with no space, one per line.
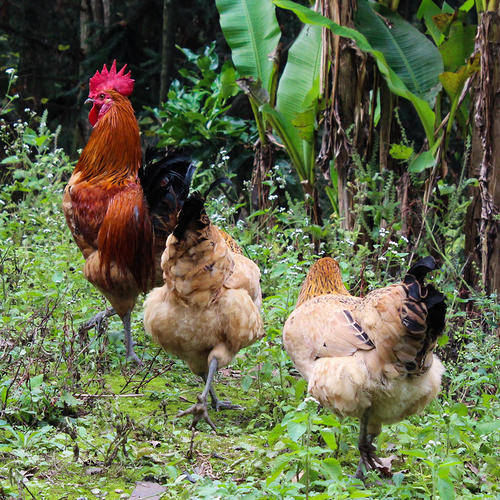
[482,225]
[347,116]
[263,163]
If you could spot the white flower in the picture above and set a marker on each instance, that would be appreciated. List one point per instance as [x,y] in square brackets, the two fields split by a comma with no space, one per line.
[382,258]
[9,71]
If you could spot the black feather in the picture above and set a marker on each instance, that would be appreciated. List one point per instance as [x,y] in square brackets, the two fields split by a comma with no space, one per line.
[218,183]
[421,268]
[165,183]
[427,294]
[190,216]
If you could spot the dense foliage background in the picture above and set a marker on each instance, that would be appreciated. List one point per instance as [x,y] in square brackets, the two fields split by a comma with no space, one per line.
[372,157]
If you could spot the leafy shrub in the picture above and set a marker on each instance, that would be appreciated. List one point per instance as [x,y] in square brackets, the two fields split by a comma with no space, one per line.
[196,115]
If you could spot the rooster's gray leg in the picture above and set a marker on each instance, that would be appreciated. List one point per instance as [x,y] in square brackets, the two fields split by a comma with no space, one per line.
[200,409]
[368,459]
[96,321]
[129,343]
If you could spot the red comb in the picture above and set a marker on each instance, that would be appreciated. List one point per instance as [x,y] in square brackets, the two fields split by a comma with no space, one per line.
[106,80]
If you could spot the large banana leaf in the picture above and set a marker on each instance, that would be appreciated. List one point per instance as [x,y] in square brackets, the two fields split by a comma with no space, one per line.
[394,81]
[288,134]
[299,83]
[408,52]
[252,31]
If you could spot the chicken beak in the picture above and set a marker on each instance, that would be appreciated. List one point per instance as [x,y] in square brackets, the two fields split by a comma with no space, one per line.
[89,101]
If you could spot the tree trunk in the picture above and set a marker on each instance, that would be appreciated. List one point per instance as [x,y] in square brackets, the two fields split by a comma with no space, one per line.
[482,224]
[263,162]
[346,119]
[166,48]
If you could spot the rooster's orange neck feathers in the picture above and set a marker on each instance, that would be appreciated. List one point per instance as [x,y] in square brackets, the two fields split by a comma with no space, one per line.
[113,153]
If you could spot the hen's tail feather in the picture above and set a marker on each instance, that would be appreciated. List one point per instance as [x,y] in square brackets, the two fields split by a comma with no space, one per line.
[431,317]
[165,183]
[191,216]
[421,268]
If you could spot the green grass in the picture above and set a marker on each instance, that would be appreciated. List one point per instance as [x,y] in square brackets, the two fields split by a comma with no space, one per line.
[74,419]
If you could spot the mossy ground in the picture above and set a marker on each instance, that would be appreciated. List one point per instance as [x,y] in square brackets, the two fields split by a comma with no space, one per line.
[77,422]
[158,439]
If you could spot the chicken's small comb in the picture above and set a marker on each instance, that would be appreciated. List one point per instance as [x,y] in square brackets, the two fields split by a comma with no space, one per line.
[105,80]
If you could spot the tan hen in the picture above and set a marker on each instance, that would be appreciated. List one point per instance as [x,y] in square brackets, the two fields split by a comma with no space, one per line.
[372,357]
[208,308]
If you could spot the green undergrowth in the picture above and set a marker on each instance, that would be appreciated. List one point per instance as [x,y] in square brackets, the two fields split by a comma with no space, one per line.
[77,422]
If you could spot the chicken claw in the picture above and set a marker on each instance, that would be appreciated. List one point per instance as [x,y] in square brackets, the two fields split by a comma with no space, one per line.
[370,461]
[219,405]
[199,411]
[129,342]
[96,321]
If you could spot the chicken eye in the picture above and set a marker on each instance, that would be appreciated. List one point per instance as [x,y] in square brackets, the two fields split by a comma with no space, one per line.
[102,96]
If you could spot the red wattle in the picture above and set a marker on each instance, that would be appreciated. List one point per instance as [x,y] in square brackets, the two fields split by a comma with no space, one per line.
[93,115]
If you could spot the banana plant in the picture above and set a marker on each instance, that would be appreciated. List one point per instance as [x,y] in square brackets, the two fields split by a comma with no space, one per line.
[410,63]
[289,105]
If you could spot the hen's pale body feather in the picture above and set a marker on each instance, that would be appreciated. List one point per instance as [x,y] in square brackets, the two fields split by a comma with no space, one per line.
[209,305]
[357,354]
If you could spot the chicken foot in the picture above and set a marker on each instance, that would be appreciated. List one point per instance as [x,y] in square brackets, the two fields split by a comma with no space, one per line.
[200,409]
[368,459]
[96,321]
[129,342]
[219,405]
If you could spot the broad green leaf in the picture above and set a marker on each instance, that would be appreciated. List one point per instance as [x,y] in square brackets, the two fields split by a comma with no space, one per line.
[409,53]
[444,21]
[395,83]
[427,10]
[467,5]
[304,122]
[69,399]
[29,137]
[459,45]
[488,427]
[332,468]
[445,489]
[228,81]
[330,440]
[453,83]
[296,430]
[460,409]
[252,31]
[444,339]
[301,73]
[10,159]
[276,472]
[275,434]
[400,151]
[421,162]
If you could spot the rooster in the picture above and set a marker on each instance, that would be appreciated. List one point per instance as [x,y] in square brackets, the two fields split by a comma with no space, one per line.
[119,214]
[372,357]
[208,308]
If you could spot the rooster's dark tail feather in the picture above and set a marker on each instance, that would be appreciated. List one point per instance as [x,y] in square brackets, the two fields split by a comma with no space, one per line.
[166,183]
